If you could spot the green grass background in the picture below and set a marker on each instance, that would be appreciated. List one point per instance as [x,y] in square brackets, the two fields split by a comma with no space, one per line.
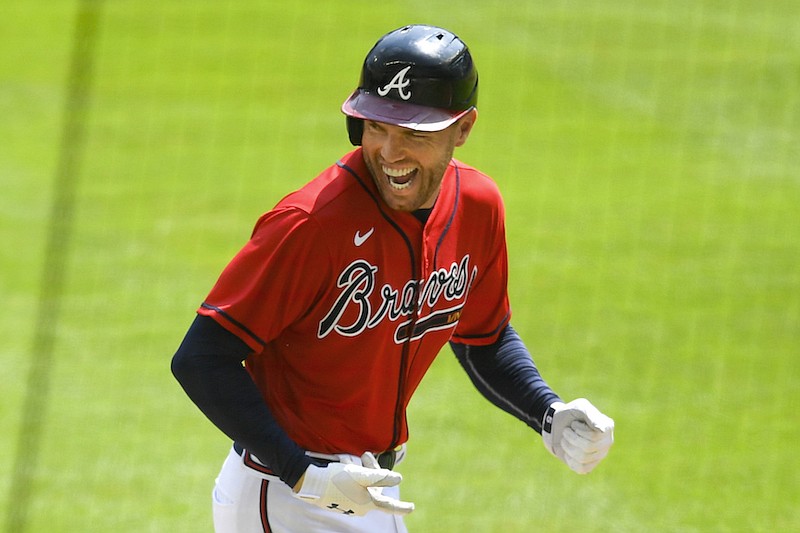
[649,153]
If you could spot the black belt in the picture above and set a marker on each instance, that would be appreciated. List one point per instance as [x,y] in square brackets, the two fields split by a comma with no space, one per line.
[386,460]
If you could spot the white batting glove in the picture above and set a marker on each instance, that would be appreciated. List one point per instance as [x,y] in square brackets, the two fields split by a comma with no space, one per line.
[578,434]
[352,489]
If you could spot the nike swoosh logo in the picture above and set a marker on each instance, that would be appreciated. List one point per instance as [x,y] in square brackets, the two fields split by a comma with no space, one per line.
[359,239]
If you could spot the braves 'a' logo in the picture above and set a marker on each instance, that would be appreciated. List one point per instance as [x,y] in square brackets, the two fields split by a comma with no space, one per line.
[400,83]
[358,281]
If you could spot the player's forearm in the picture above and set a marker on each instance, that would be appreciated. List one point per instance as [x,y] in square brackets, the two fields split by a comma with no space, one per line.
[506,375]
[208,367]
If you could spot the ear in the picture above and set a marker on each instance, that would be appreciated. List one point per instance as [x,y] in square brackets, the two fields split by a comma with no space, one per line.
[464,126]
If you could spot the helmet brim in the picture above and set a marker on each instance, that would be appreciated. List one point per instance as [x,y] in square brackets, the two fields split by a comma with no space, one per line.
[368,106]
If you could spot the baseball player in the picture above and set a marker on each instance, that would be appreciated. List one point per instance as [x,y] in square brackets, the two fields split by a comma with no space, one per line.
[310,345]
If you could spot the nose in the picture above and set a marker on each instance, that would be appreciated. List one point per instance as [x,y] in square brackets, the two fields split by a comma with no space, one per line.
[393,148]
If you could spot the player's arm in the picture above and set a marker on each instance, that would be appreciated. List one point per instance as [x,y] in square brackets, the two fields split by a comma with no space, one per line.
[208,365]
[504,372]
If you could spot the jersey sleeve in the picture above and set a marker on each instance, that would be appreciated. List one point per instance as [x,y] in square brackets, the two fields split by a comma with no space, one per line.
[487,311]
[274,279]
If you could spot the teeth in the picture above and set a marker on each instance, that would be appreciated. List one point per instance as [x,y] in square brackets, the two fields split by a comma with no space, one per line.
[393,173]
[397,172]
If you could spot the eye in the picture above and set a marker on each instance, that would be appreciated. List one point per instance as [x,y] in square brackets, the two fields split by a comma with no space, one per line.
[420,135]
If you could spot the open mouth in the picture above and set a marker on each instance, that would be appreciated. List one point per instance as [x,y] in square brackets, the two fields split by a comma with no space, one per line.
[400,178]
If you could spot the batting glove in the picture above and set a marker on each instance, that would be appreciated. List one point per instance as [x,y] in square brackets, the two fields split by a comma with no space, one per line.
[352,489]
[578,434]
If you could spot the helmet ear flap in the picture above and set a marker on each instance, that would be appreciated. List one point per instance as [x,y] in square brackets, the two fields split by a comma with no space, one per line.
[355,130]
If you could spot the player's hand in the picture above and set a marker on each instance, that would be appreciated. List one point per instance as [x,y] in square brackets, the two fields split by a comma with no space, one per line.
[351,488]
[578,434]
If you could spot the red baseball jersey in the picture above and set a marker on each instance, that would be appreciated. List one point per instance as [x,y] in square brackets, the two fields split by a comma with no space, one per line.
[346,302]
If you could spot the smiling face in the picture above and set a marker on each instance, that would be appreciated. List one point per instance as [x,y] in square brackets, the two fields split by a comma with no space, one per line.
[408,165]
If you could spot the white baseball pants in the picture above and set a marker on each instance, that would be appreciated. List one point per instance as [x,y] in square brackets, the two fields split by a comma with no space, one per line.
[248,501]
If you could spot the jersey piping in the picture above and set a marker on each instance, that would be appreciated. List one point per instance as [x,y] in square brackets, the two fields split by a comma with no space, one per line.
[404,358]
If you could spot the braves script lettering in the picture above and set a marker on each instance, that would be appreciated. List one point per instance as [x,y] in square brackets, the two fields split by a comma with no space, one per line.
[357,281]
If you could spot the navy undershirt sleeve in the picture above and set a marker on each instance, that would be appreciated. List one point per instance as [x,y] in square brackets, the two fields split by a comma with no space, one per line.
[208,365]
[506,375]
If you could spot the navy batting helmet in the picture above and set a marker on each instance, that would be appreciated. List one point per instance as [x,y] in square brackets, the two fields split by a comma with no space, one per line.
[418,77]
